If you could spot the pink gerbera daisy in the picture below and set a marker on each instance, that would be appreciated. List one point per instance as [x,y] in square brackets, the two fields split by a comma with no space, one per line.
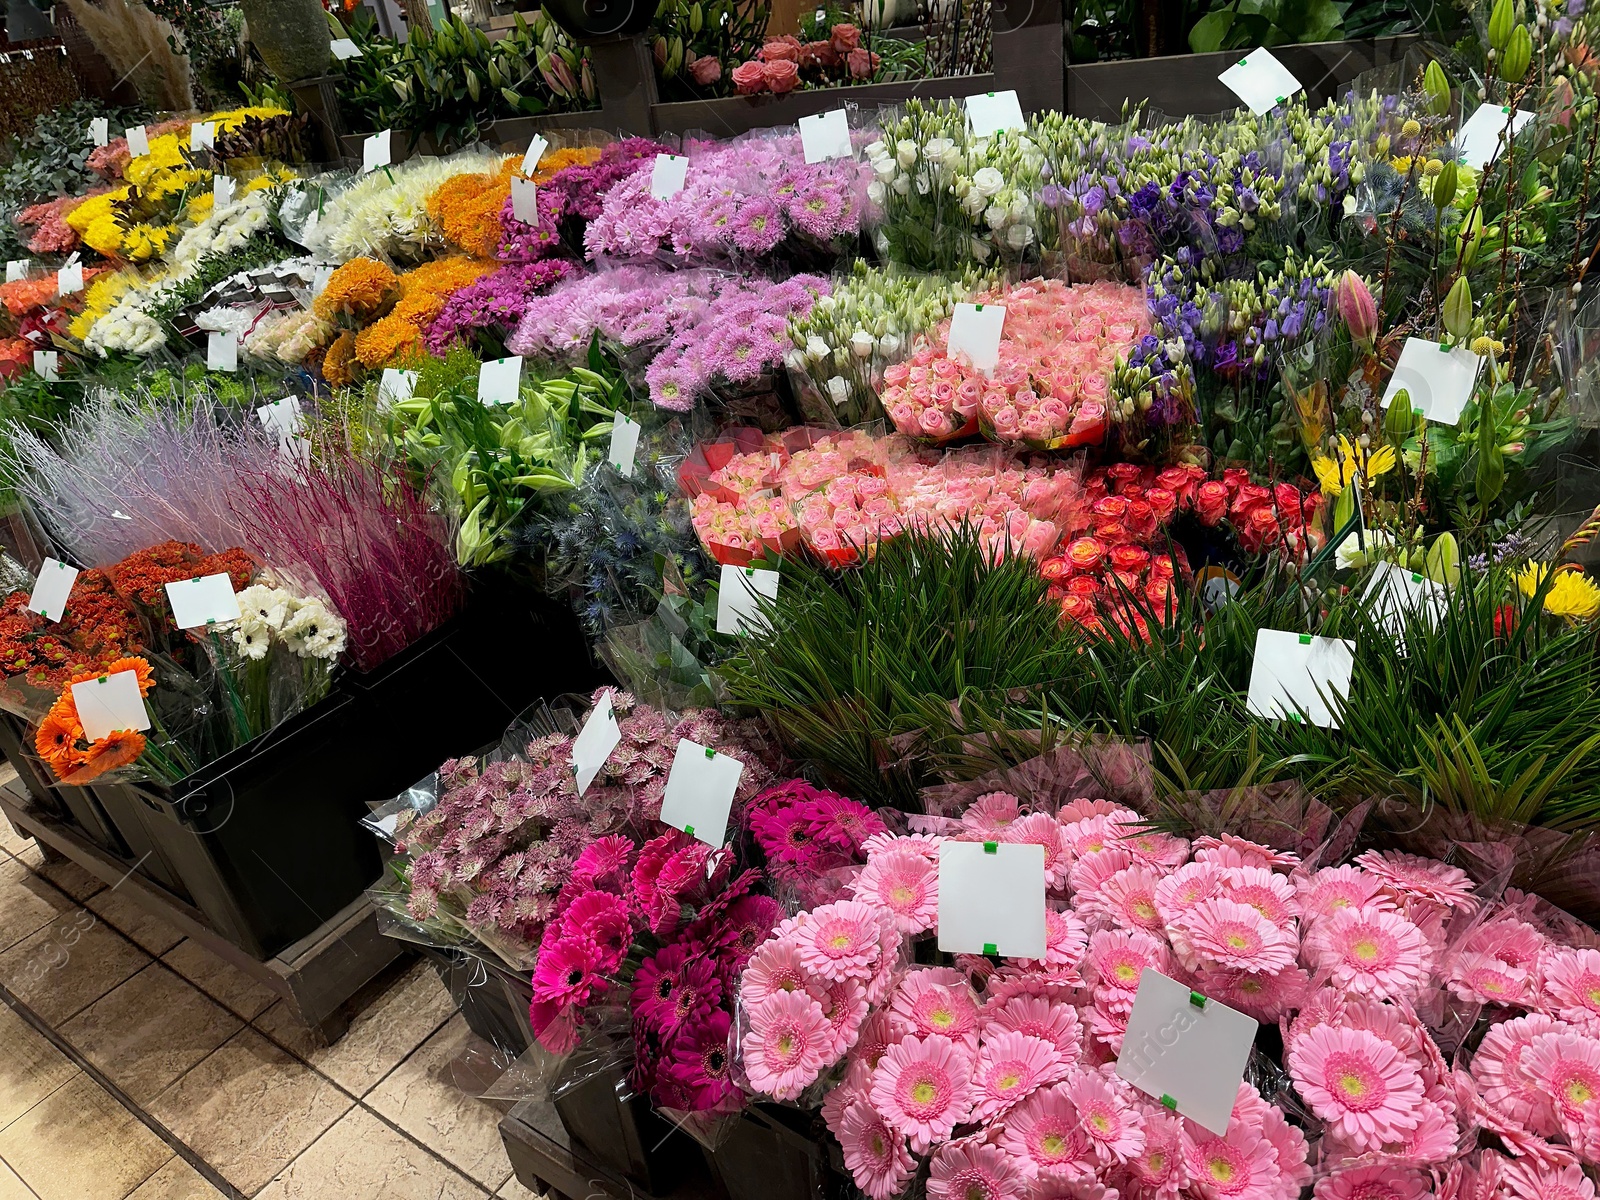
[1186,887]
[1566,1067]
[991,813]
[1374,1183]
[1040,829]
[874,1151]
[1372,953]
[1011,1067]
[1156,849]
[1572,982]
[1513,942]
[1360,1084]
[1239,1164]
[1273,896]
[1064,940]
[1089,873]
[1435,1137]
[1046,1135]
[874,1037]
[841,941]
[1504,1082]
[1288,1142]
[903,882]
[923,1087]
[1118,957]
[1158,1168]
[1115,1127]
[1485,979]
[1264,997]
[786,1046]
[1240,851]
[1423,878]
[844,1003]
[1220,935]
[1039,1017]
[776,966]
[1128,900]
[1324,892]
[936,1000]
[1528,1179]
[972,1170]
[1095,834]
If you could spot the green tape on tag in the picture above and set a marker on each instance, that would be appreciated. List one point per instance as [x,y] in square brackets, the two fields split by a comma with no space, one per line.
[989,948]
[1196,999]
[1168,1102]
[1305,639]
[1415,578]
[103,678]
[689,829]
[977,308]
[991,847]
[710,753]
[1280,99]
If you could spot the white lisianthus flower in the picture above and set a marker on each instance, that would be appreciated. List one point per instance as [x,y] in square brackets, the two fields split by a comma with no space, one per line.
[861,344]
[889,344]
[905,154]
[901,185]
[816,347]
[838,389]
[995,216]
[988,181]
[876,192]
[1019,236]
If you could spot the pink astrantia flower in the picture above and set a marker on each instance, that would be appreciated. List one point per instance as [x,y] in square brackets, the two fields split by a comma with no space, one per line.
[841,941]
[923,1088]
[1360,1084]
[874,1151]
[1372,953]
[1374,1183]
[776,966]
[1412,875]
[1504,1083]
[1011,1067]
[936,1000]
[1566,1068]
[903,882]
[786,1046]
[1572,984]
[1038,1017]
[1114,1126]
[1221,935]
[1324,892]
[971,1170]
[1046,1135]
[1241,1165]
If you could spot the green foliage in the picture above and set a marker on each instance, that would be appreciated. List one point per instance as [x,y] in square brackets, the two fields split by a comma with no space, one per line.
[1246,24]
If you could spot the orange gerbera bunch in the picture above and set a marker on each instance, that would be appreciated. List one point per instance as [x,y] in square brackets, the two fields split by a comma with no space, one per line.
[60,738]
[467,208]
[363,288]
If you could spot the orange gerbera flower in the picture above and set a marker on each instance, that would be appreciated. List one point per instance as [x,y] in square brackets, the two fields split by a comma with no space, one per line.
[58,734]
[138,666]
[117,749]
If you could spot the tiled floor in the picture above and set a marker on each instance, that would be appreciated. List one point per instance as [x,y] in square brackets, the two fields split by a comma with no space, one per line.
[218,1083]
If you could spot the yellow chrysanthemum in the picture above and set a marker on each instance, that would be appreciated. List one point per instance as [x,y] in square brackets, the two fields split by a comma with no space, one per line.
[94,208]
[1334,477]
[166,153]
[104,234]
[146,241]
[235,117]
[200,206]
[99,298]
[1572,595]
[338,365]
[170,183]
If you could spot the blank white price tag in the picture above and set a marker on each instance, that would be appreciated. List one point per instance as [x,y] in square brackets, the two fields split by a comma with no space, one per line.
[377,151]
[738,597]
[1261,81]
[202,135]
[700,792]
[667,175]
[222,350]
[69,279]
[51,589]
[138,141]
[344,49]
[825,136]
[536,149]
[204,601]
[624,443]
[1185,1050]
[1483,135]
[100,131]
[110,703]
[594,743]
[221,191]
[1395,593]
[281,417]
[395,386]
[1438,381]
[975,331]
[524,200]
[47,364]
[17,269]
[500,380]
[991,898]
[989,113]
[1297,671]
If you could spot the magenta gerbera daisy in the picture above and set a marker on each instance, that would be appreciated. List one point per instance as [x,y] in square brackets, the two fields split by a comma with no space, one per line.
[1374,1183]
[1241,1165]
[1360,1084]
[1040,1017]
[1220,935]
[786,1046]
[1324,892]
[923,1088]
[972,1170]
[903,882]
[776,966]
[565,971]
[1504,1082]
[841,941]
[874,1151]
[936,1000]
[1374,953]
[1113,1125]
[1572,983]
[1011,1067]
[1423,878]
[1046,1135]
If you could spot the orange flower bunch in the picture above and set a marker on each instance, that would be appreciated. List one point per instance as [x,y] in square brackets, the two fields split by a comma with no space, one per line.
[559,160]
[423,294]
[26,295]
[339,363]
[60,738]
[362,288]
[467,208]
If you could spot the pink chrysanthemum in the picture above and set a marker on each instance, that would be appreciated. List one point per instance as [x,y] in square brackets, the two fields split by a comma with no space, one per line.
[1527,1179]
[1372,953]
[936,1000]
[1046,1135]
[1374,1183]
[1273,896]
[991,813]
[1118,957]
[776,966]
[1230,850]
[844,1003]
[901,881]
[1324,892]
[874,1151]
[1011,1067]
[923,1088]
[1504,1082]
[1423,878]
[1572,983]
[1040,829]
[1220,935]
[972,1170]
[1127,900]
[1361,1085]
[1115,1127]
[1241,1165]
[1566,1068]
[1038,1017]
[1486,980]
[786,1046]
[841,941]
[1186,887]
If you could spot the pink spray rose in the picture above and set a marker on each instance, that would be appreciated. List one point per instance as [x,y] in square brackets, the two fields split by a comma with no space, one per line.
[705,70]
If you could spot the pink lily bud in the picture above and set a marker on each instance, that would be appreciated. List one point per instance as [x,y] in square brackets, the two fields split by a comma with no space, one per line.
[1356,306]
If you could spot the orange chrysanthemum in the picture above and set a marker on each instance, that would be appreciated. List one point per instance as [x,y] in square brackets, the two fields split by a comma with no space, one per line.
[362,288]
[423,294]
[467,209]
[384,343]
[116,749]
[567,156]
[338,365]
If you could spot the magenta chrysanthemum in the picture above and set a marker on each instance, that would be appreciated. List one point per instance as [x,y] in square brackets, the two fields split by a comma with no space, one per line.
[1011,1067]
[1372,953]
[1360,1084]
[923,1088]
[786,1045]
[874,1151]
[1221,935]
[972,1170]
[841,941]
[903,882]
